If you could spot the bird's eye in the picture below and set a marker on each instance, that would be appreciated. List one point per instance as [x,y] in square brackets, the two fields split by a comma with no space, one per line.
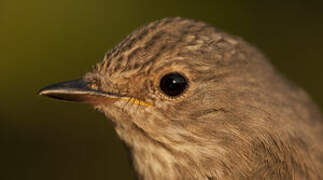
[173,84]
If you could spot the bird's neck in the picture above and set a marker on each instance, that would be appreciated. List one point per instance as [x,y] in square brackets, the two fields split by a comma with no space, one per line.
[159,155]
[151,159]
[154,160]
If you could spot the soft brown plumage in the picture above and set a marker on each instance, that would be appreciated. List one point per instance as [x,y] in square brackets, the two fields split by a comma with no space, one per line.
[238,118]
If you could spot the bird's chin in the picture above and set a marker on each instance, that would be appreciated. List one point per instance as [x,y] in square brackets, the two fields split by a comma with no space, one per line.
[110,110]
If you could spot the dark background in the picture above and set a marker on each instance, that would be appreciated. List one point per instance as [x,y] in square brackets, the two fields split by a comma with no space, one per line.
[43,41]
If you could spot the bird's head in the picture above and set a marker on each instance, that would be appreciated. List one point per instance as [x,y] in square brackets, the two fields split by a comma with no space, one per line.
[185,87]
[174,80]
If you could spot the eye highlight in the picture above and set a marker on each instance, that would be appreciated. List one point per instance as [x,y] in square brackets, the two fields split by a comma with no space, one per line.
[173,84]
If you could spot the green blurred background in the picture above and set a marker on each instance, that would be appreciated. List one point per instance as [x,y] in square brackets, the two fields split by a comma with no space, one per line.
[45,41]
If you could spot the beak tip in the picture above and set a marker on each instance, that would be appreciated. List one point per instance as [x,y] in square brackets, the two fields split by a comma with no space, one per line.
[61,88]
[44,91]
[69,91]
[53,91]
[76,90]
[41,92]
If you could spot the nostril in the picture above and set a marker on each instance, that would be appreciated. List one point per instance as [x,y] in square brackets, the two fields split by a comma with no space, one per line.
[92,82]
[94,85]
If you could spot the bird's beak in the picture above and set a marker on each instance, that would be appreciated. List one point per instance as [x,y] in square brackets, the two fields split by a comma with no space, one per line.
[78,91]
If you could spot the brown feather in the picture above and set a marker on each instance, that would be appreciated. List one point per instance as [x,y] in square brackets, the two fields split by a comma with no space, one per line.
[238,119]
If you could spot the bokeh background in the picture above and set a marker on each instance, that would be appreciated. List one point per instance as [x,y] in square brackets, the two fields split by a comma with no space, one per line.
[44,41]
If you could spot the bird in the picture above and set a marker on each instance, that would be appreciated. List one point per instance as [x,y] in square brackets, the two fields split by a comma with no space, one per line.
[191,101]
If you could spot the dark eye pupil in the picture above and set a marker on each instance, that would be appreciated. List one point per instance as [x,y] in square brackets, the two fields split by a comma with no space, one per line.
[173,84]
